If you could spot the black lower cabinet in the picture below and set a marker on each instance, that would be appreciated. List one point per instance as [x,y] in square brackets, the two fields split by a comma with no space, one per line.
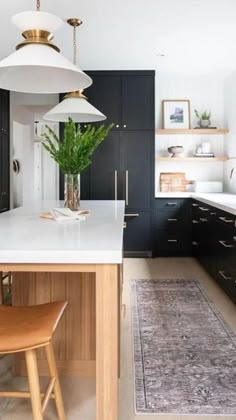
[138,234]
[214,244]
[172,227]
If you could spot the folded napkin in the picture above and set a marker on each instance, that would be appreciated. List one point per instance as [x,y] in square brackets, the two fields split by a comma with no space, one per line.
[65,214]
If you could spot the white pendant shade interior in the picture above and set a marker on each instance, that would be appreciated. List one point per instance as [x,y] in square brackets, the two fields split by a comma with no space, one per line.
[37,65]
[77,108]
[75,105]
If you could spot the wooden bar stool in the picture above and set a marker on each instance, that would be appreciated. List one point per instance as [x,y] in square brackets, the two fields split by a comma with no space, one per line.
[25,329]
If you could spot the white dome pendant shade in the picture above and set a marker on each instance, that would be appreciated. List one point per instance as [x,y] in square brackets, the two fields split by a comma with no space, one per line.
[75,106]
[37,66]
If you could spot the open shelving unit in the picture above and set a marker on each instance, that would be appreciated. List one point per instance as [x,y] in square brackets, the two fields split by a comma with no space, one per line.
[198,131]
[191,159]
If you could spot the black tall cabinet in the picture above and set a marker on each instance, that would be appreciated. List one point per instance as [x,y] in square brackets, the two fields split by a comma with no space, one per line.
[4,151]
[123,165]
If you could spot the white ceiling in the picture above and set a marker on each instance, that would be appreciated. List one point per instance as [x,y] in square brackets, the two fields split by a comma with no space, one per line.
[197,36]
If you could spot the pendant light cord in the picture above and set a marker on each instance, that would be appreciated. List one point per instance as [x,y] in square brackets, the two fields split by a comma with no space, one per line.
[74,46]
[38,6]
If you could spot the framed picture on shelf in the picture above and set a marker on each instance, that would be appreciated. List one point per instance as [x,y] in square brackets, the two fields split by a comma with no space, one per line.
[176,113]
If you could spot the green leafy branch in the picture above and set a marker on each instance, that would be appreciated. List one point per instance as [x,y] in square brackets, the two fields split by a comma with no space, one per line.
[73,152]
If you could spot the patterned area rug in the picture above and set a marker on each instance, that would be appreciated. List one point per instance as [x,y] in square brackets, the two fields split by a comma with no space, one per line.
[184,352]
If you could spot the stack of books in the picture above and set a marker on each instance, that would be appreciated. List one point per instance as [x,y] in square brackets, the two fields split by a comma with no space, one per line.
[207,155]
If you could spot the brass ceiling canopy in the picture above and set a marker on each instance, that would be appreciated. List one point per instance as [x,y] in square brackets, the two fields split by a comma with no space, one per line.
[74,22]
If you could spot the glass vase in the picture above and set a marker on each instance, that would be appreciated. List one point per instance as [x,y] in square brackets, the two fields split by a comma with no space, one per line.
[72,191]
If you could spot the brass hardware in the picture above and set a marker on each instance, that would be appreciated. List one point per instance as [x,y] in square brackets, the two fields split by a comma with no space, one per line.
[127,188]
[75,22]
[75,94]
[37,36]
[116,185]
[226,245]
[132,215]
[224,276]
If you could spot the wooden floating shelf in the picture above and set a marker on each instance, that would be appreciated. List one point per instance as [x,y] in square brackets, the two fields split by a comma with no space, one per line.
[192,159]
[197,131]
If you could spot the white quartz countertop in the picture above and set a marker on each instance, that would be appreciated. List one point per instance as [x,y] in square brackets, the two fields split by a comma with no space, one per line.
[222,201]
[27,238]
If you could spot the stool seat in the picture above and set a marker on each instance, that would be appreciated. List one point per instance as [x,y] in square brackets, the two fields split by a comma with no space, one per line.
[27,327]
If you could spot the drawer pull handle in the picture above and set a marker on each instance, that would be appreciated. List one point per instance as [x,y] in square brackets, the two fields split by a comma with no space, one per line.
[226,245]
[172,220]
[224,219]
[204,208]
[195,205]
[202,219]
[125,225]
[195,222]
[195,243]
[222,273]
[172,240]
[132,215]
[212,213]
[171,204]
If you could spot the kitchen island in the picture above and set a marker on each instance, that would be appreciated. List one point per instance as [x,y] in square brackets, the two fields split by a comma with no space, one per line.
[77,261]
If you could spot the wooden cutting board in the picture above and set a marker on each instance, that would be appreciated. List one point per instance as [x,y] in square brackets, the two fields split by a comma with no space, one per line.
[173,182]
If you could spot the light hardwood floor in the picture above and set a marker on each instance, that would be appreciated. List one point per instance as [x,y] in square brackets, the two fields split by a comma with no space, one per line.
[79,395]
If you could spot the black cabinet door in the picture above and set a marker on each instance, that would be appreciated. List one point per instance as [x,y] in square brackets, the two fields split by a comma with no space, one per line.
[137,168]
[137,102]
[4,107]
[105,95]
[104,170]
[137,234]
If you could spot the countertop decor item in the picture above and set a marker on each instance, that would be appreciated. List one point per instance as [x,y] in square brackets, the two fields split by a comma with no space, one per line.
[176,151]
[176,113]
[204,118]
[75,104]
[73,154]
[37,66]
[173,181]
[184,358]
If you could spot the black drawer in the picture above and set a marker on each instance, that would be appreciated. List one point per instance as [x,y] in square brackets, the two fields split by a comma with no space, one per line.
[167,204]
[173,243]
[173,220]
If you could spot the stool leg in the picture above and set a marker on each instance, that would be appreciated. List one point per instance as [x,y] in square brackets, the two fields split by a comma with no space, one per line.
[53,373]
[33,378]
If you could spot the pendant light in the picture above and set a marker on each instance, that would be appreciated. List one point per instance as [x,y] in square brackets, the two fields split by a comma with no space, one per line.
[75,104]
[37,65]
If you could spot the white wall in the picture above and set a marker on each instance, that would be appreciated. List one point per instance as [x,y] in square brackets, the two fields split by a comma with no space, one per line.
[230,143]
[204,92]
[36,167]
